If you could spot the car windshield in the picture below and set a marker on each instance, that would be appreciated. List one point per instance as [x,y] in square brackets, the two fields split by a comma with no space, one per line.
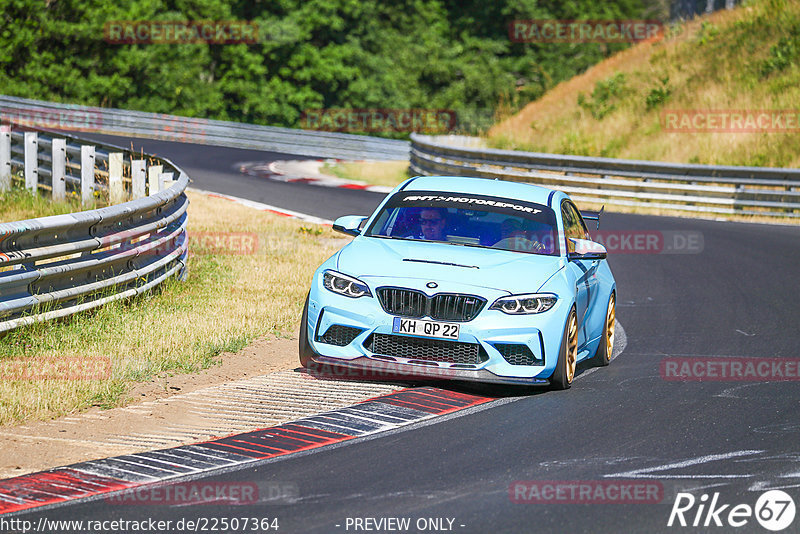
[470,220]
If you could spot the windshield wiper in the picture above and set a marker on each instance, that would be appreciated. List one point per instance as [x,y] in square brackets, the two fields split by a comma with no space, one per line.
[442,263]
[465,244]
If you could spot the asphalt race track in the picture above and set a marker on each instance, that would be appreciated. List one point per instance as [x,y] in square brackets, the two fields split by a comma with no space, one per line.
[735,295]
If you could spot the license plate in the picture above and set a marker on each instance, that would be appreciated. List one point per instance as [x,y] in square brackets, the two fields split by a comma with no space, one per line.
[419,327]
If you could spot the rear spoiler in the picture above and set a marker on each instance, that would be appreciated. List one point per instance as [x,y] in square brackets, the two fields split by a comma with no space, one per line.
[593,216]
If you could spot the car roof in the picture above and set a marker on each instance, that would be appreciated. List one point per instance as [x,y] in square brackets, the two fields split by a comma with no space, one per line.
[481,186]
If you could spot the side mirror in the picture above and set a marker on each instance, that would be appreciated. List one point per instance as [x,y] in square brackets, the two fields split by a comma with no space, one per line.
[587,250]
[349,224]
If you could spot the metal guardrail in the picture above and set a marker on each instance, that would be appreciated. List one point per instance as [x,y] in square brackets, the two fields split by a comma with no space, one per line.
[55,266]
[674,186]
[111,121]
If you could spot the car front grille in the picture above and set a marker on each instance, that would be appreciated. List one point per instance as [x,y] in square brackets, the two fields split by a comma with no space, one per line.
[429,350]
[441,307]
[517,354]
[339,335]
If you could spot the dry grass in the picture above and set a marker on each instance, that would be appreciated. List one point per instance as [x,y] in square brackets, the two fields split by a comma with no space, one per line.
[226,301]
[714,63]
[388,173]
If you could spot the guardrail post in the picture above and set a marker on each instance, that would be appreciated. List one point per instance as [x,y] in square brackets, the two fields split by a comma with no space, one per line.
[87,173]
[116,193]
[153,174]
[5,158]
[165,181]
[31,161]
[59,169]
[138,176]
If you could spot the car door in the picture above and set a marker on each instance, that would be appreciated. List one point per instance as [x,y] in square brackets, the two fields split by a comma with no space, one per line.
[584,272]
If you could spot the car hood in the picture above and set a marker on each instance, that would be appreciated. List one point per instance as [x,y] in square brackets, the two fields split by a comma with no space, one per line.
[515,272]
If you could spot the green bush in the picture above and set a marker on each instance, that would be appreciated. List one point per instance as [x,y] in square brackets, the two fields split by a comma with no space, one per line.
[658,95]
[782,54]
[708,31]
[605,96]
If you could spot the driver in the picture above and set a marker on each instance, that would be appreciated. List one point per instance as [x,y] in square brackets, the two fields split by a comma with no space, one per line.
[432,223]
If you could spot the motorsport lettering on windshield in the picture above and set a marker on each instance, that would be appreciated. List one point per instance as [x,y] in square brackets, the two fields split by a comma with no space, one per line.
[470,200]
[469,219]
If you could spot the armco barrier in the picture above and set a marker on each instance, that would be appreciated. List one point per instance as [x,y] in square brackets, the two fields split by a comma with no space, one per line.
[674,186]
[127,123]
[51,267]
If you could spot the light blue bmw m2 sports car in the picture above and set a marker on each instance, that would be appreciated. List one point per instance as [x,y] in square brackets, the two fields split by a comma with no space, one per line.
[463,279]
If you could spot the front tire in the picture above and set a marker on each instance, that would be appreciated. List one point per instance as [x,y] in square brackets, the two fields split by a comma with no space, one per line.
[304,348]
[606,348]
[564,373]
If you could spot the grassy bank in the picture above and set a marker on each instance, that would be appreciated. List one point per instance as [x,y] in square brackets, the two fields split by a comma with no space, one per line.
[246,279]
[745,59]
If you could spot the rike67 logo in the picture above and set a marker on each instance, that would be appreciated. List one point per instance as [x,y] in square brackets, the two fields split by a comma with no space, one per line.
[774,510]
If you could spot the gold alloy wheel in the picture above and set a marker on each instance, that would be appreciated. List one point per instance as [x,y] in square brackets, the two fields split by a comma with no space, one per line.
[572,348]
[611,322]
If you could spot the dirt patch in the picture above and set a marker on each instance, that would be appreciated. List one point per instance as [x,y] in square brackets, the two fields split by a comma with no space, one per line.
[101,433]
[263,356]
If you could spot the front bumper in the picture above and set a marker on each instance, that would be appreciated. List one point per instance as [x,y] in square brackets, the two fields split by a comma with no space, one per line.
[490,332]
[366,368]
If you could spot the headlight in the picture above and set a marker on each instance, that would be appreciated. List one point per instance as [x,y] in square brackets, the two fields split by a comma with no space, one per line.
[345,285]
[525,304]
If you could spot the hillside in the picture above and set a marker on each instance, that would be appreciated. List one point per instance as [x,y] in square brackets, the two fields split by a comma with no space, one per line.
[747,59]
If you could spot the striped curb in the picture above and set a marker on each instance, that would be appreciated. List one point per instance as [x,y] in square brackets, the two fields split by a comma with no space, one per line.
[282,171]
[240,406]
[103,477]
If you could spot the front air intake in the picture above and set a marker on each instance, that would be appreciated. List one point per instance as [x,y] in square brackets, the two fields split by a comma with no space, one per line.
[441,307]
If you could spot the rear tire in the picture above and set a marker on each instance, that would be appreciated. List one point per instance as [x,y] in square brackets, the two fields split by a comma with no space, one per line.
[304,348]
[564,373]
[606,347]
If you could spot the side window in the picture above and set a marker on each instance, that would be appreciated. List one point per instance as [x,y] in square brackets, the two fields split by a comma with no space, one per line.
[581,223]
[573,225]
